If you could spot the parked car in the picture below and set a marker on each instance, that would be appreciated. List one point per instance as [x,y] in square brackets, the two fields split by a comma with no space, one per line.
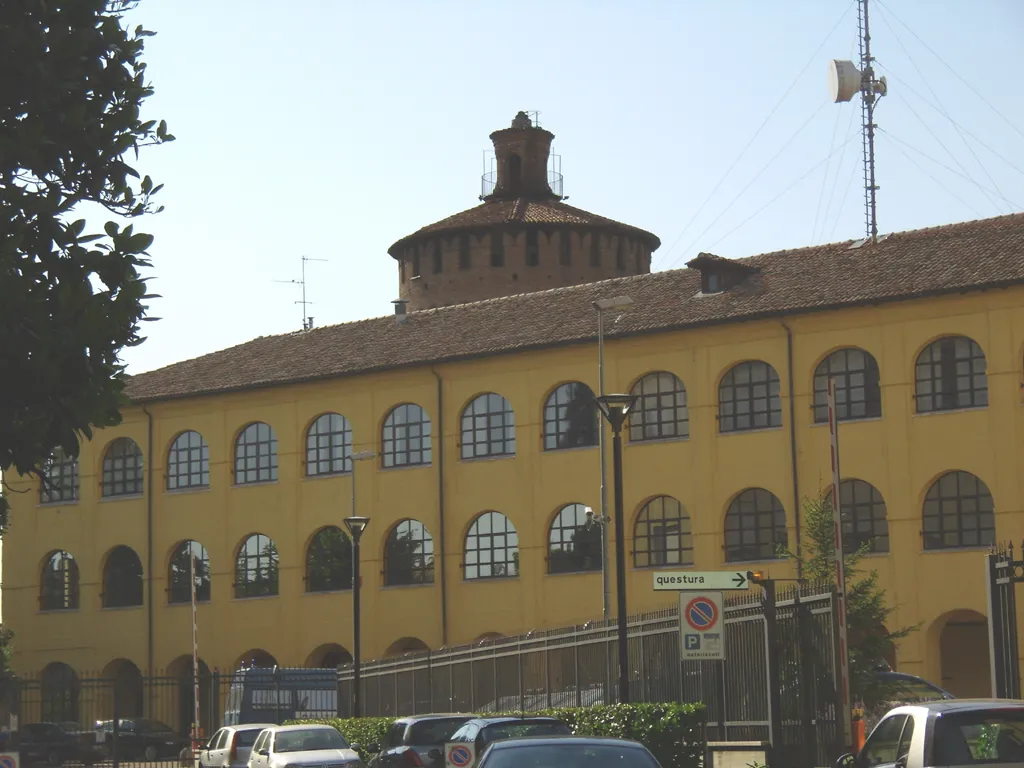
[950,733]
[140,738]
[479,733]
[896,688]
[412,742]
[297,746]
[567,752]
[56,743]
[230,747]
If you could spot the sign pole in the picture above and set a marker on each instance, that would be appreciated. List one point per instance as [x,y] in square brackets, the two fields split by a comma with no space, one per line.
[844,660]
[195,657]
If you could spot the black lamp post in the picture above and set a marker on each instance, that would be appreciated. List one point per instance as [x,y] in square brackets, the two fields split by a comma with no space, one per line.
[356,526]
[616,408]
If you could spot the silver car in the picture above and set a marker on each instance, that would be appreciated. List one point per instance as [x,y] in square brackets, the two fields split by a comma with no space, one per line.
[230,747]
[298,746]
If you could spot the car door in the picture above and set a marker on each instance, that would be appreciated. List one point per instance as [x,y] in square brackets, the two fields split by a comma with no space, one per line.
[214,757]
[393,739]
[256,759]
[883,747]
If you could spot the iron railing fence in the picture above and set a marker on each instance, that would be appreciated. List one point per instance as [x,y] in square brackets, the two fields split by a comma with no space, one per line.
[1004,570]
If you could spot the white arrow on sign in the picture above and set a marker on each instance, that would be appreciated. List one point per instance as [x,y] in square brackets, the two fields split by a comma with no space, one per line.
[681,581]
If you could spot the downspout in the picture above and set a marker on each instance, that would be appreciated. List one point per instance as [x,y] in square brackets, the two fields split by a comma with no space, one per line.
[792,451]
[149,542]
[440,504]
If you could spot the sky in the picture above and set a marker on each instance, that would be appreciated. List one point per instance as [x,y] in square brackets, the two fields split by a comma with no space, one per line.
[332,128]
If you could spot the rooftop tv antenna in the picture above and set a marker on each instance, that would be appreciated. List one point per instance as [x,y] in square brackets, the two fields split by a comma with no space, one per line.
[845,80]
[307,320]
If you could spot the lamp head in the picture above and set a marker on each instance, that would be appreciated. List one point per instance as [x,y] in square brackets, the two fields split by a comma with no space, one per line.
[615,302]
[356,525]
[615,408]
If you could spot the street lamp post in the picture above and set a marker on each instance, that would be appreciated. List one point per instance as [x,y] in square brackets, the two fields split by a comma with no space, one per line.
[615,302]
[356,525]
[616,408]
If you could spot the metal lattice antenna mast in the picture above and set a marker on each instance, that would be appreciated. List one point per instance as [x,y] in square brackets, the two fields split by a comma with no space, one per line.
[847,79]
[307,320]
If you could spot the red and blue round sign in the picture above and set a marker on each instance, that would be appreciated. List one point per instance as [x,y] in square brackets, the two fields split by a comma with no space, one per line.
[701,614]
[460,757]
[7,761]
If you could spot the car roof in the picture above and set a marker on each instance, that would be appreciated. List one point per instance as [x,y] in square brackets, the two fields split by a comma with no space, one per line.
[306,727]
[435,716]
[964,705]
[538,740]
[249,727]
[485,721]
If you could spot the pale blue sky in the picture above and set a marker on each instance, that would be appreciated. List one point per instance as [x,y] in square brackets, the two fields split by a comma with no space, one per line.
[332,128]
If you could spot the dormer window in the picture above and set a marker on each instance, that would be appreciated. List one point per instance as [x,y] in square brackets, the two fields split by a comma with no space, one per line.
[718,274]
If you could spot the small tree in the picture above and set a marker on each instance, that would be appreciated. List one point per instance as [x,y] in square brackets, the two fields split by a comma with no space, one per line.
[71,296]
[869,639]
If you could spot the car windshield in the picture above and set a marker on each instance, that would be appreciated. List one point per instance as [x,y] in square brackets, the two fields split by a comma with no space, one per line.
[517,730]
[154,726]
[434,732]
[985,736]
[309,739]
[909,691]
[569,756]
[246,739]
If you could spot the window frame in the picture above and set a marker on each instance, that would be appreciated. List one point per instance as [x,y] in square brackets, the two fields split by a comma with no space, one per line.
[498,428]
[118,589]
[478,541]
[558,424]
[123,463]
[59,467]
[244,590]
[420,534]
[560,539]
[940,501]
[204,582]
[684,534]
[340,569]
[939,372]
[68,590]
[328,432]
[174,463]
[857,513]
[655,416]
[776,513]
[850,396]
[745,393]
[394,434]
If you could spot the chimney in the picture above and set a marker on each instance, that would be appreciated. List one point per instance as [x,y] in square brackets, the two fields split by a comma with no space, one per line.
[400,314]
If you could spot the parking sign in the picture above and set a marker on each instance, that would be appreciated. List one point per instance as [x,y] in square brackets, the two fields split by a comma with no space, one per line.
[701,626]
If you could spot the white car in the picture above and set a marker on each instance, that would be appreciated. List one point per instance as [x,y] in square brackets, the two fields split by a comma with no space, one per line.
[298,746]
[230,746]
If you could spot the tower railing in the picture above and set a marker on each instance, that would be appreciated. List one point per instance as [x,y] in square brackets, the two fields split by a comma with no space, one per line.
[489,181]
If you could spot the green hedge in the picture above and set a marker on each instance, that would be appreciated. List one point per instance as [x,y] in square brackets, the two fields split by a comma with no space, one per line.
[673,732]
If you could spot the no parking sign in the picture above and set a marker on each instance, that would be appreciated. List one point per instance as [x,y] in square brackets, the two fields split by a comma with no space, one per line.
[456,754]
[702,635]
[9,760]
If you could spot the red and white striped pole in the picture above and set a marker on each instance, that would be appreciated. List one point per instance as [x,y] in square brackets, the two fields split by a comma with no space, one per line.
[844,658]
[195,660]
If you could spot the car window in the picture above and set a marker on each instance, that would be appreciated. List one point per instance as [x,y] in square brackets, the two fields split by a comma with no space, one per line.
[570,756]
[883,743]
[305,739]
[394,736]
[905,739]
[975,738]
[434,732]
[215,740]
[462,734]
[246,739]
[517,730]
[260,741]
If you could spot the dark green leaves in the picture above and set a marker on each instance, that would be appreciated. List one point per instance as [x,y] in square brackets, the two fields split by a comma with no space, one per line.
[71,95]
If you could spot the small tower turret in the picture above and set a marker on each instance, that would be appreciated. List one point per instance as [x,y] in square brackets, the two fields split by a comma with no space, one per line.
[521,153]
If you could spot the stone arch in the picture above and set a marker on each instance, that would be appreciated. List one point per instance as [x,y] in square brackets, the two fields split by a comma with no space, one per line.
[488,637]
[255,657]
[127,687]
[183,709]
[328,655]
[406,645]
[60,692]
[959,653]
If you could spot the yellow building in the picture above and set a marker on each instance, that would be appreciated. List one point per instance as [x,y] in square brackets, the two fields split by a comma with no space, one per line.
[480,417]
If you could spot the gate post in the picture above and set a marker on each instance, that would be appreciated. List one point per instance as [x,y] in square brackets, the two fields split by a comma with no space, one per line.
[1001,572]
[771,627]
[115,730]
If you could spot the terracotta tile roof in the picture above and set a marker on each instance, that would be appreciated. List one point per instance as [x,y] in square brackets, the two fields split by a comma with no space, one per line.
[952,258]
[523,211]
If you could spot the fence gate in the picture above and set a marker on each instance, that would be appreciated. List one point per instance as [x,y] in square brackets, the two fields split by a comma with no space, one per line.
[1003,573]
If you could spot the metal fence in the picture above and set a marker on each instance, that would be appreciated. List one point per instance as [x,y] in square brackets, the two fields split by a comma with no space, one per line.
[1003,573]
[577,666]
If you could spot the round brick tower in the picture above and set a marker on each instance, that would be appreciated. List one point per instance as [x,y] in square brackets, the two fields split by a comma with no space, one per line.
[522,238]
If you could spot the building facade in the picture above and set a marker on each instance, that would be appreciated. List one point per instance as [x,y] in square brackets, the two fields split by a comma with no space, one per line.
[481,421]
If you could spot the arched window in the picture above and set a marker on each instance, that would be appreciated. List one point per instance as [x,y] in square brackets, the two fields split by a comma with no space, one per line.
[329,445]
[329,561]
[958,512]
[660,411]
[748,398]
[405,437]
[662,534]
[122,469]
[60,479]
[58,586]
[570,417]
[492,548]
[408,555]
[488,427]
[256,569]
[180,570]
[574,541]
[755,527]
[122,579]
[858,386]
[188,463]
[950,374]
[59,691]
[256,454]
[864,517]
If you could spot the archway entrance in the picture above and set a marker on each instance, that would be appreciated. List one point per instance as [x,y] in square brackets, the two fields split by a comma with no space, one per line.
[128,688]
[329,655]
[964,654]
[406,645]
[179,674]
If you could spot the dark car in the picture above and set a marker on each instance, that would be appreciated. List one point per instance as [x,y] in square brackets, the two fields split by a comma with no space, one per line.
[567,752]
[481,732]
[142,739]
[416,741]
[56,743]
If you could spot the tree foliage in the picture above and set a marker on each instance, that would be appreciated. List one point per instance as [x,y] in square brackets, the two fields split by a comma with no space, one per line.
[71,295]
[869,637]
